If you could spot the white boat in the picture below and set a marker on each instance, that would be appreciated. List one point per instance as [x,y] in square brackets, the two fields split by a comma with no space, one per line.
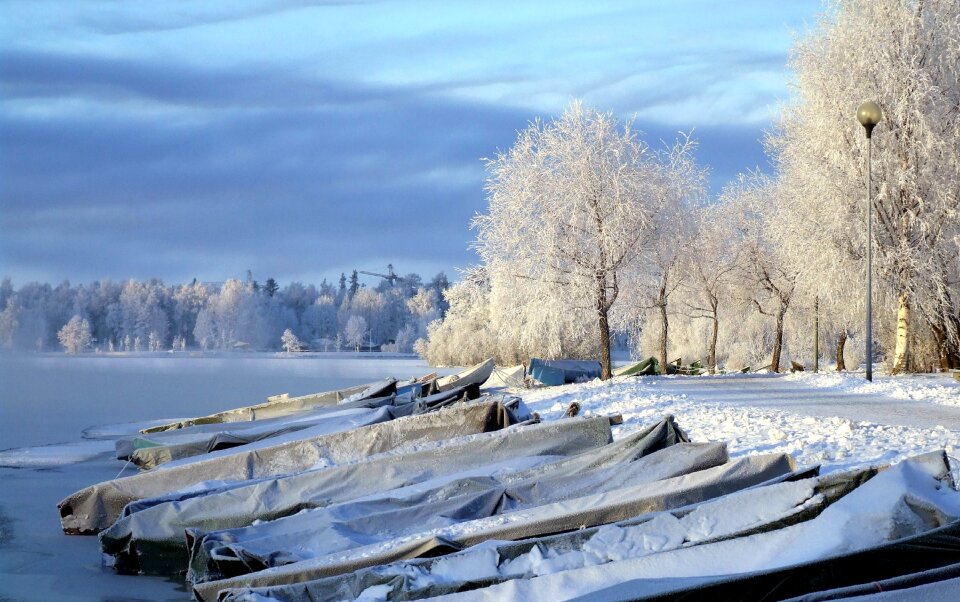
[477,374]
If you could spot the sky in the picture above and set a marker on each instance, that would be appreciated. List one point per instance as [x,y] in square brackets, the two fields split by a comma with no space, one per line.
[299,139]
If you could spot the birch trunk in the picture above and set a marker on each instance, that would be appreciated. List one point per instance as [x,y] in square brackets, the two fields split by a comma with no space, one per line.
[901,353]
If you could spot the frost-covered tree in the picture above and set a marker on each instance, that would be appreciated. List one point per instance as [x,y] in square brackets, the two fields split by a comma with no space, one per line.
[767,278]
[75,336]
[668,244]
[356,331]
[142,311]
[405,340]
[374,308]
[465,336]
[9,324]
[711,264]
[569,205]
[291,344]
[188,301]
[320,319]
[423,308]
[905,55]
[240,314]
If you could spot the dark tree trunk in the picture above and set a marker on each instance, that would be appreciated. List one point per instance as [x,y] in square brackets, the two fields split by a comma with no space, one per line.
[604,302]
[947,349]
[712,360]
[841,341]
[605,367]
[778,340]
[664,328]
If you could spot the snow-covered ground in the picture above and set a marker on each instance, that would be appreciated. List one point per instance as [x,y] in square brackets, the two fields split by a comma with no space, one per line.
[837,420]
[833,419]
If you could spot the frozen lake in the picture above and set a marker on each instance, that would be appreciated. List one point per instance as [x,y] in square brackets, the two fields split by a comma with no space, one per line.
[47,399]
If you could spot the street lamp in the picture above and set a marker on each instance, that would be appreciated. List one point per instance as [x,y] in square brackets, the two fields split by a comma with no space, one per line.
[869,115]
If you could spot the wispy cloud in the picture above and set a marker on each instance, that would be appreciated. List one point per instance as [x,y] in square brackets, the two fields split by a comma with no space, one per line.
[299,138]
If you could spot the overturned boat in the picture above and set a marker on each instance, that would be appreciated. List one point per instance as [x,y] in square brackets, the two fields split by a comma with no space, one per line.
[477,375]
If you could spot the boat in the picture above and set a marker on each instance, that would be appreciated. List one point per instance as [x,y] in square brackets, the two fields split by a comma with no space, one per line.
[645,367]
[477,374]
[507,377]
[282,405]
[559,372]
[95,508]
[151,539]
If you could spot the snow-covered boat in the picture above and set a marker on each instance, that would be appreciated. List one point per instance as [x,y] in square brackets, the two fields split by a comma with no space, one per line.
[152,451]
[789,538]
[150,539]
[507,377]
[610,503]
[95,508]
[277,406]
[477,374]
[526,486]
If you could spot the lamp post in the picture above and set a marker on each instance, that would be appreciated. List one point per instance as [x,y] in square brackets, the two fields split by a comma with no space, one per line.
[869,115]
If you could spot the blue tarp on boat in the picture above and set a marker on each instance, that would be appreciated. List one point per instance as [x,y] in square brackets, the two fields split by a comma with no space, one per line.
[558,372]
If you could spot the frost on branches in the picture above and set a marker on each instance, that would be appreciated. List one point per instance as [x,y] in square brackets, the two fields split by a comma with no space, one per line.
[291,344]
[355,332]
[570,206]
[905,55]
[75,336]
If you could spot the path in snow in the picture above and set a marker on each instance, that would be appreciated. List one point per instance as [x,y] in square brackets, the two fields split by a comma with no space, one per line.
[838,421]
[886,401]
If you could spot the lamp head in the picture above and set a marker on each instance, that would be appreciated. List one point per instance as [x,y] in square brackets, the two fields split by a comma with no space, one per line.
[869,115]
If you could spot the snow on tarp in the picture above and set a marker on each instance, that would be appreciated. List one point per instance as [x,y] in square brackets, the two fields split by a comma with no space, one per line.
[152,540]
[94,508]
[123,429]
[911,555]
[506,377]
[771,505]
[126,445]
[363,522]
[907,499]
[284,406]
[149,453]
[561,516]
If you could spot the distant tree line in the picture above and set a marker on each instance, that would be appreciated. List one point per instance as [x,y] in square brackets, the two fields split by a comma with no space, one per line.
[152,316]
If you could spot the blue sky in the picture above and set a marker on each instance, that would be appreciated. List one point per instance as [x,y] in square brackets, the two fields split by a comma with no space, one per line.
[301,139]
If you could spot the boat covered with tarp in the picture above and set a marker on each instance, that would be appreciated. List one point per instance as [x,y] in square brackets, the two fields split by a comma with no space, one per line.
[150,537]
[149,451]
[413,490]
[559,372]
[94,508]
[800,536]
[282,405]
[651,366]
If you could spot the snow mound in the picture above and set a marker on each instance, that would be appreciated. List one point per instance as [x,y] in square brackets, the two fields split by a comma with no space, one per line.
[916,387]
